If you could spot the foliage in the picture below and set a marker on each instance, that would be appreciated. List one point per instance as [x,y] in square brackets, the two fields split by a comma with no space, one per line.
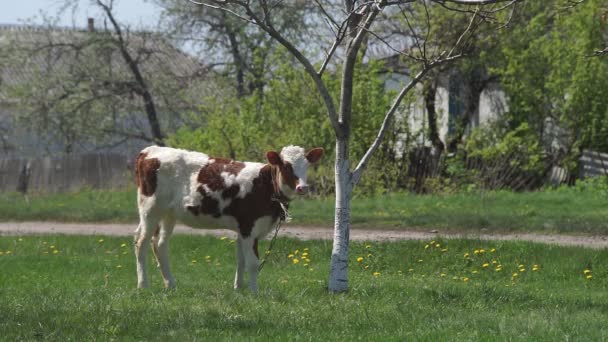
[52,286]
[290,112]
[512,159]
[550,78]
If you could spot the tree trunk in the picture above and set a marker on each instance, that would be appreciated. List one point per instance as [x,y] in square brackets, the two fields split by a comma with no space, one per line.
[338,275]
[429,93]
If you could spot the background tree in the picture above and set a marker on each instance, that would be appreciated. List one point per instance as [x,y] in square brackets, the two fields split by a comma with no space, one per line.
[552,82]
[231,46]
[95,84]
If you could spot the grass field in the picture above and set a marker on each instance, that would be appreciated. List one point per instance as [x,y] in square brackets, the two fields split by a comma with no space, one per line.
[580,209]
[82,288]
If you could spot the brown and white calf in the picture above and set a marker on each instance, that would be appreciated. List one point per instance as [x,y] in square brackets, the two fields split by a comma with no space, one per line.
[207,192]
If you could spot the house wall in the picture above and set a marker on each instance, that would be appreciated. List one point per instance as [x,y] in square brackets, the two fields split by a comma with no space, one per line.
[492,104]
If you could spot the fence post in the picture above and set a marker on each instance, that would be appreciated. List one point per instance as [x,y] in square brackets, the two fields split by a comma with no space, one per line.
[24,177]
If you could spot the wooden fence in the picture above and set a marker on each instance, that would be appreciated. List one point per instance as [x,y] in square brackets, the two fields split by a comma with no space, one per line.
[61,174]
[114,171]
[592,164]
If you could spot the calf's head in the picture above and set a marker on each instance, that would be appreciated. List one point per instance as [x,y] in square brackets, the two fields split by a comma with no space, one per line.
[290,167]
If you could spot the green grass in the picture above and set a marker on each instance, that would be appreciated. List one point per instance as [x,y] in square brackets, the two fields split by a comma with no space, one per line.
[565,210]
[86,292]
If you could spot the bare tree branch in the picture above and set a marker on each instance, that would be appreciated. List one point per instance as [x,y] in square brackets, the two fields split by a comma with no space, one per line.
[308,67]
[144,92]
[358,171]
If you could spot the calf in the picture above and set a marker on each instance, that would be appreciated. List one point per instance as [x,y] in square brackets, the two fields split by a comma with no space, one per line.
[203,192]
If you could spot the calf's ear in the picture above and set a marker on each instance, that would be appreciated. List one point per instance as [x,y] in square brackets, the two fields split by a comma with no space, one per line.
[273,158]
[314,155]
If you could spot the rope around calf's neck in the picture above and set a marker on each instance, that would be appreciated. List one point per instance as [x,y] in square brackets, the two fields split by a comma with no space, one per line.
[285,217]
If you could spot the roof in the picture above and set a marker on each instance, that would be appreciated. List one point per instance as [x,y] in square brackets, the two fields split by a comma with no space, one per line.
[52,50]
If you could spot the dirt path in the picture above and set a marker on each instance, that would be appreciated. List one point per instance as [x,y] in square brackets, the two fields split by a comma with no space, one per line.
[303,233]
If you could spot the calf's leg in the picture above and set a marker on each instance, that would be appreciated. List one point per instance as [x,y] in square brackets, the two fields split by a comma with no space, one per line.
[147,226]
[250,250]
[162,253]
[239,277]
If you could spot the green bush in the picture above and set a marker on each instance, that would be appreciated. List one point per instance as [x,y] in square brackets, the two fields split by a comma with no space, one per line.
[504,159]
[290,111]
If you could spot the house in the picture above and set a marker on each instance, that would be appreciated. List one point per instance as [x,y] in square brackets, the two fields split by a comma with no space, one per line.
[456,100]
[67,90]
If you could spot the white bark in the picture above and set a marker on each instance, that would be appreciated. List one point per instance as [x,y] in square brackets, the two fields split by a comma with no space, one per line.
[338,274]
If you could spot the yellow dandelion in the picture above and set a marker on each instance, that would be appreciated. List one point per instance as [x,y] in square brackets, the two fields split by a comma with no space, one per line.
[123,245]
[589,277]
[481,251]
[52,246]
[465,279]
[498,269]
[194,261]
[515,275]
[493,250]
[369,255]
[466,255]
[118,266]
[494,262]
[307,260]
[432,242]
[521,266]
[410,270]
[100,240]
[290,256]
[522,270]
[426,246]
[444,250]
[55,251]
[454,278]
[223,238]
[534,269]
[476,251]
[295,260]
[359,259]
[485,265]
[305,249]
[207,257]
[437,245]
[376,274]
[420,260]
[231,241]
[442,275]
[474,271]
[306,264]
[366,267]
[305,254]
[296,252]
[586,271]
[368,246]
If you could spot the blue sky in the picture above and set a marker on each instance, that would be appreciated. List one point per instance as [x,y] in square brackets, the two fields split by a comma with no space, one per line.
[136,13]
